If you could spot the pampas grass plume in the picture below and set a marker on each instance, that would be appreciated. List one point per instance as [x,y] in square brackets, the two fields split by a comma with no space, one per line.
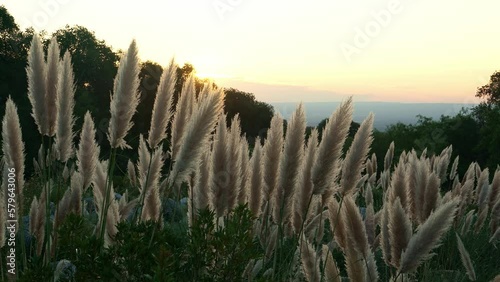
[324,170]
[162,105]
[13,148]
[65,118]
[427,237]
[88,152]
[125,98]
[182,114]
[51,96]
[256,182]
[356,155]
[37,85]
[195,139]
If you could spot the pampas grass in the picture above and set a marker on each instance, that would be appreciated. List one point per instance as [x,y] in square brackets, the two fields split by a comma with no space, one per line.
[324,169]
[162,106]
[290,189]
[356,155]
[234,163]
[256,183]
[88,152]
[331,270]
[125,98]
[495,190]
[65,119]
[51,96]
[290,162]
[218,176]
[182,114]
[196,137]
[273,148]
[427,237]
[151,190]
[400,231]
[310,261]
[305,185]
[13,150]
[37,85]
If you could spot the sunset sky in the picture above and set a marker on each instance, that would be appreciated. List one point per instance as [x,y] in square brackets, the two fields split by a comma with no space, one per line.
[324,50]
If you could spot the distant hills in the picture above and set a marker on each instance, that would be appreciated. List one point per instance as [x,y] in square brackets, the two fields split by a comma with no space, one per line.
[386,113]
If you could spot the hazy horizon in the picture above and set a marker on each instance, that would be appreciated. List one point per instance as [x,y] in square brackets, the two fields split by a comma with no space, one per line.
[386,113]
[384,50]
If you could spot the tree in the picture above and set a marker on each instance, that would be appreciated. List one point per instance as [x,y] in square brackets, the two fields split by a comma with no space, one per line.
[491,91]
[7,22]
[255,116]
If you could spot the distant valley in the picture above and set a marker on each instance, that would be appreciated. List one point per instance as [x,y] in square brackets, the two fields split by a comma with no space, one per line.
[386,113]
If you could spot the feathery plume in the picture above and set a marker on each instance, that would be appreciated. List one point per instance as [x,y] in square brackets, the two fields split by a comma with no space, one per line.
[76,193]
[273,148]
[143,163]
[495,216]
[38,228]
[337,224]
[417,178]
[310,262]
[431,195]
[125,98]
[37,85]
[291,161]
[357,241]
[398,186]
[219,175]
[400,231]
[65,118]
[356,155]
[113,215]
[466,261]
[256,182]
[389,156]
[200,189]
[370,224]
[52,85]
[131,173]
[13,149]
[244,172]
[305,185]
[182,114]
[234,162]
[162,106]
[150,190]
[88,152]
[427,237]
[331,271]
[385,236]
[324,170]
[196,137]
[454,166]
[482,189]
[495,189]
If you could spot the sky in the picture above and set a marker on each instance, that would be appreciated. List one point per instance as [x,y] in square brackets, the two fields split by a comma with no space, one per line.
[291,50]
